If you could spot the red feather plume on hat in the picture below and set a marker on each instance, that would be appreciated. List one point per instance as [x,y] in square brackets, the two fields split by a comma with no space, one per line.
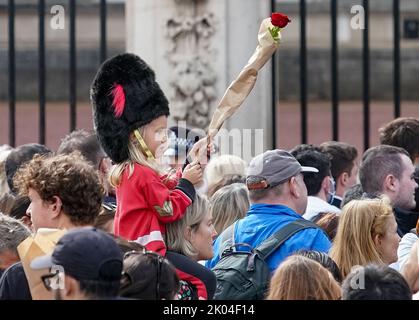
[118,102]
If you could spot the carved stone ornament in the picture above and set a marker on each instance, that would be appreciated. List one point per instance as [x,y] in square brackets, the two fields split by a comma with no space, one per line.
[190,55]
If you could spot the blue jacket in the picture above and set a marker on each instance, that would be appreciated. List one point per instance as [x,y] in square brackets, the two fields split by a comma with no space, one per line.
[261,222]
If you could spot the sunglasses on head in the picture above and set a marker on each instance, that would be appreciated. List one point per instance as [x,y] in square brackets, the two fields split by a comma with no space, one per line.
[153,255]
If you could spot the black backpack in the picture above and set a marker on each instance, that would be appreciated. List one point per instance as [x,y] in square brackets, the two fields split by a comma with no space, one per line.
[244,275]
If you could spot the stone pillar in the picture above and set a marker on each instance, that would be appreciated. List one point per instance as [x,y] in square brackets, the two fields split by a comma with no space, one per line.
[197,47]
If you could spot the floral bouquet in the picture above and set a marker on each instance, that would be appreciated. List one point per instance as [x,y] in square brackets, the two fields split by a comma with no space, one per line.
[269,37]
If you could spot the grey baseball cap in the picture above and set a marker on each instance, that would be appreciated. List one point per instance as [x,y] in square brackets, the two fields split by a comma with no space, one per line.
[273,167]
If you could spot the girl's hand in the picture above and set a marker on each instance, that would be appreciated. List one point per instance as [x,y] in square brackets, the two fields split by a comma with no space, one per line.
[193,173]
[200,151]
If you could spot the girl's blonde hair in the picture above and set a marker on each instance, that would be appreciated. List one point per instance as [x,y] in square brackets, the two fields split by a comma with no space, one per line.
[359,223]
[229,204]
[135,156]
[194,215]
[301,278]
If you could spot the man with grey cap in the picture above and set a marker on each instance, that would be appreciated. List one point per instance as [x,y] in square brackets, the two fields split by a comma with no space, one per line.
[278,197]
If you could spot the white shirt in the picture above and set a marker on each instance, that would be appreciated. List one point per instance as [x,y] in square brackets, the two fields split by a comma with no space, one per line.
[315,205]
[405,246]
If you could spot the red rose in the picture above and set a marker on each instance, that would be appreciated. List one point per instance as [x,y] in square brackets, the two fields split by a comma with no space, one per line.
[279,20]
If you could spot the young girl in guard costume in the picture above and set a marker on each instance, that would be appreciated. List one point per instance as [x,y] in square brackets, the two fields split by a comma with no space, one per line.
[130,117]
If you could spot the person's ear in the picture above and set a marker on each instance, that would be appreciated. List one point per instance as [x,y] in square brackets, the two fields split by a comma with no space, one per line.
[377,241]
[188,233]
[343,179]
[391,183]
[293,185]
[326,184]
[71,290]
[55,206]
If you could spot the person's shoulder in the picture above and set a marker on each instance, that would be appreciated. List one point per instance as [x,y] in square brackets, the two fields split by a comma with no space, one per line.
[408,238]
[142,168]
[13,284]
[14,270]
[143,173]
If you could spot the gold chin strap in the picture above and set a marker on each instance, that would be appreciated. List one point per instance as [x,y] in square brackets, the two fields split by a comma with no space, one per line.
[143,144]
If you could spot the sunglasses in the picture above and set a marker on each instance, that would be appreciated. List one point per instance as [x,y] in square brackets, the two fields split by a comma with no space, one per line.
[52,280]
[110,207]
[152,255]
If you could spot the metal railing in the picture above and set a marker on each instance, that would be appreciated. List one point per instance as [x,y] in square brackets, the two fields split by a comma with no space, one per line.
[335,72]
[303,68]
[11,6]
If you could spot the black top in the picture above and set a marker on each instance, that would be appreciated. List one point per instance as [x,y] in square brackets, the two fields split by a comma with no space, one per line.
[195,270]
[14,285]
[406,220]
[336,202]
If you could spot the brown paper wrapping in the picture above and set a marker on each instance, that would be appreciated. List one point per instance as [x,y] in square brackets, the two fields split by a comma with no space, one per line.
[240,88]
[42,243]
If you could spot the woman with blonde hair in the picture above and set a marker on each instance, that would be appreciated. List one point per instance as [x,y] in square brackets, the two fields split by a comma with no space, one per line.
[191,237]
[367,233]
[229,204]
[301,278]
[224,170]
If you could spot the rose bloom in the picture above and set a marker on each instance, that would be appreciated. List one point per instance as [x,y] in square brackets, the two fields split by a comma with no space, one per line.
[279,20]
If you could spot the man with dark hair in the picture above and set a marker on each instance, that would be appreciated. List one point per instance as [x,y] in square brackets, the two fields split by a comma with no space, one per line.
[403,133]
[65,193]
[88,145]
[278,196]
[86,264]
[300,148]
[320,185]
[388,170]
[18,157]
[375,282]
[343,167]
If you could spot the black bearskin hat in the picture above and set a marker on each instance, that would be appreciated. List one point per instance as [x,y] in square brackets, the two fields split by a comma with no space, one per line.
[125,96]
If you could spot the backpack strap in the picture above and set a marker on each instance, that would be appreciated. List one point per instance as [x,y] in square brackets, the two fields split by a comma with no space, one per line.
[267,247]
[227,239]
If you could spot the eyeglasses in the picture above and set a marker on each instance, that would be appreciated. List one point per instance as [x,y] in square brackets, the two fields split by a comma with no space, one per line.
[160,260]
[51,280]
[110,207]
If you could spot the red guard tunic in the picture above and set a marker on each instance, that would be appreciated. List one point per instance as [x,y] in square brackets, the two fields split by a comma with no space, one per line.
[146,204]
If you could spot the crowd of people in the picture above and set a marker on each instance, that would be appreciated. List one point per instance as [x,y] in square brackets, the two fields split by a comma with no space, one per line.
[145,216]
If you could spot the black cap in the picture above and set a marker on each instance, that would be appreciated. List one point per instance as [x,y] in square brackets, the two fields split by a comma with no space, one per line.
[85,254]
